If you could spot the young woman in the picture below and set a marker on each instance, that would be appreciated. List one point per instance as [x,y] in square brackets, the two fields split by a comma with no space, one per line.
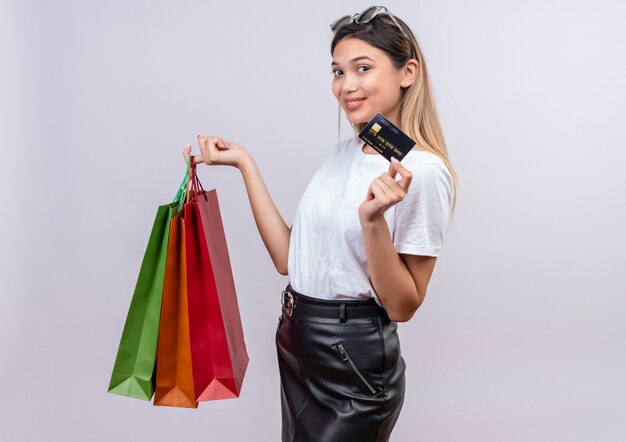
[362,246]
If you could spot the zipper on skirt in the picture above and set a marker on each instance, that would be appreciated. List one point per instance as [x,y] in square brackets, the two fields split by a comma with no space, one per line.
[345,356]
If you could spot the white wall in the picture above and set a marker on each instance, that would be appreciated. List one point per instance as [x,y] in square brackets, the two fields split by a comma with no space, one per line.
[521,334]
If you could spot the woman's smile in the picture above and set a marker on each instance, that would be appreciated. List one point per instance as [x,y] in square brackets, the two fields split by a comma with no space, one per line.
[354,104]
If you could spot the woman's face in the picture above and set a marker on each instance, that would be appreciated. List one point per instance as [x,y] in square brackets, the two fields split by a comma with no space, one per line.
[366,74]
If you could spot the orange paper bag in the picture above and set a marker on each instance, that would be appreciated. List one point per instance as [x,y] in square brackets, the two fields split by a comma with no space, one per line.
[174,375]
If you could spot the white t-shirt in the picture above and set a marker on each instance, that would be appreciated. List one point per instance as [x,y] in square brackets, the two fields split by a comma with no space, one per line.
[326,252]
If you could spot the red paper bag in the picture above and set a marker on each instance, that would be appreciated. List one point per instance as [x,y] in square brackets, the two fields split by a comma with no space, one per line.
[218,351]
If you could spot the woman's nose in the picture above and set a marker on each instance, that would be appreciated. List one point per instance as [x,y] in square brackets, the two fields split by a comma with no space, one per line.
[349,86]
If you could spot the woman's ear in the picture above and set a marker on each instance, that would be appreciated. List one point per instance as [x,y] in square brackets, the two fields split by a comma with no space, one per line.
[411,69]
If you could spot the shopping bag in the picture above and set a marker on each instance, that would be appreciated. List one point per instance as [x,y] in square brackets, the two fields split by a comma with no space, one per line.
[218,350]
[174,376]
[134,367]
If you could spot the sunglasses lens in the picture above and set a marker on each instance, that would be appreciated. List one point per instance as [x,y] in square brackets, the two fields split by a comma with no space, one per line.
[366,15]
[334,26]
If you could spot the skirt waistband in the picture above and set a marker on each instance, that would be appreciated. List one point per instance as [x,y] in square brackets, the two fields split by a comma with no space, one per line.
[329,308]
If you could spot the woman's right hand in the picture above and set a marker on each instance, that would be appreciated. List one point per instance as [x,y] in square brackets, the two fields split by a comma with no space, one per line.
[216,151]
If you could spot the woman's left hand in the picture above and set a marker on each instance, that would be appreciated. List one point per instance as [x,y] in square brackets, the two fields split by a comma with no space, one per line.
[384,192]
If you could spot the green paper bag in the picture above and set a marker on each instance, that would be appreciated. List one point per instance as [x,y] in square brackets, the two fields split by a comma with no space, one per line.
[134,368]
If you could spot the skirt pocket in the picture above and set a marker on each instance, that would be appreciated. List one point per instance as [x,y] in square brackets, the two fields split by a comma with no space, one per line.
[342,359]
[345,356]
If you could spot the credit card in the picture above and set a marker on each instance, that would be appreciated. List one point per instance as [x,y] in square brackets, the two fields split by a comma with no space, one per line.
[386,138]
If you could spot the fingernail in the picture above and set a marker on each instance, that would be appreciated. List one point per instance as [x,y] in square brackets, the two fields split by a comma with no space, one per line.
[394,160]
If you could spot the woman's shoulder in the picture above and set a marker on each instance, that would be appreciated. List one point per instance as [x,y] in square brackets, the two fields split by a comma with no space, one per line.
[418,158]
[429,172]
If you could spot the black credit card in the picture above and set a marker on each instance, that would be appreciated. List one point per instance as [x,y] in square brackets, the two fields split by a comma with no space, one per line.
[387,139]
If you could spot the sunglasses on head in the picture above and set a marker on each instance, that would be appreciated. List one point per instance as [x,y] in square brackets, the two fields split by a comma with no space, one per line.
[364,17]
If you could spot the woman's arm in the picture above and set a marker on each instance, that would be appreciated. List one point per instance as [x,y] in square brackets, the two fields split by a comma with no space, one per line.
[274,231]
[400,280]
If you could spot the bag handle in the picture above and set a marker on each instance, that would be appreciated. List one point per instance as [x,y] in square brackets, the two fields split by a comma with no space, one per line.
[192,190]
[180,193]
[190,187]
[196,185]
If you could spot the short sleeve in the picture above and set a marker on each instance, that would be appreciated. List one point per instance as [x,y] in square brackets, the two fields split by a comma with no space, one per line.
[421,218]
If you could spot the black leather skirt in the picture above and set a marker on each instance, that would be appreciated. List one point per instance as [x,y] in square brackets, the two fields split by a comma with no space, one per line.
[342,376]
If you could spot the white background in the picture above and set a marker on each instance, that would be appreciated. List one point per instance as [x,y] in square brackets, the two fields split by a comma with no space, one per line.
[521,334]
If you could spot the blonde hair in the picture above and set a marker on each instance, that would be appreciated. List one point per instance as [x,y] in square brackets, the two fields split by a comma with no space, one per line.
[418,116]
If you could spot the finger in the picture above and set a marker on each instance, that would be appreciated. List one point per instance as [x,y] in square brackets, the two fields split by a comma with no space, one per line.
[187,152]
[204,150]
[212,145]
[384,194]
[392,170]
[217,141]
[393,185]
[223,145]
[405,173]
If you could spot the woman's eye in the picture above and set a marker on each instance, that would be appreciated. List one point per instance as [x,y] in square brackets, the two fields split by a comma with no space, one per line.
[339,70]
